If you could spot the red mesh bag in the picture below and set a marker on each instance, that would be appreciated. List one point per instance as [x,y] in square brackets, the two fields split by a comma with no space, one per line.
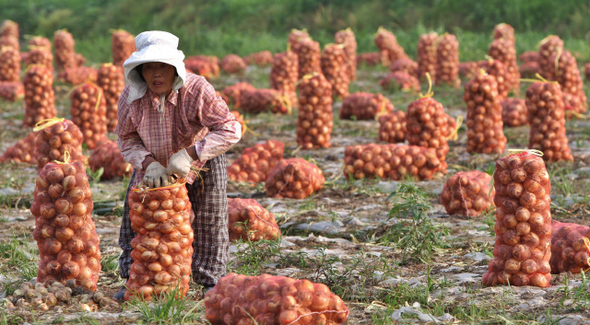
[447,61]
[295,35]
[371,59]
[308,54]
[9,28]
[466,193]
[162,248]
[400,80]
[546,115]
[426,49]
[261,59]
[408,65]
[248,220]
[390,161]
[365,106]
[40,56]
[294,178]
[264,100]
[64,229]
[529,56]
[346,37]
[65,56]
[514,112]
[504,50]
[57,136]
[206,66]
[40,42]
[284,73]
[9,64]
[233,63]
[484,116]
[333,66]
[240,119]
[79,59]
[107,155]
[23,151]
[111,78]
[504,31]
[12,91]
[392,127]
[497,69]
[529,69]
[78,75]
[549,47]
[387,42]
[255,162]
[89,112]
[122,46]
[268,299]
[570,80]
[314,124]
[468,69]
[39,95]
[523,223]
[234,92]
[570,248]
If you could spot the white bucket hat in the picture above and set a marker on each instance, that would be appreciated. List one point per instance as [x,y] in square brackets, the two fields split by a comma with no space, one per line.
[153,46]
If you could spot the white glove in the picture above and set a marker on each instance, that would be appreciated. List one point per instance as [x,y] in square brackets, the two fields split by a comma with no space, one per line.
[180,164]
[156,176]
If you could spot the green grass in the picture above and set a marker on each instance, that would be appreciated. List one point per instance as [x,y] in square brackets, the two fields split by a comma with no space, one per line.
[19,258]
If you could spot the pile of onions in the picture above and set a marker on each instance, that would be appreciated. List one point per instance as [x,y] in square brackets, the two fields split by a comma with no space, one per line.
[111,78]
[523,223]
[497,69]
[514,112]
[333,64]
[546,114]
[392,127]
[12,91]
[122,46]
[56,137]
[264,100]
[365,106]
[406,64]
[295,35]
[268,299]
[65,55]
[248,220]
[39,95]
[529,56]
[308,55]
[484,115]
[549,47]
[570,80]
[162,248]
[108,156]
[23,151]
[390,161]
[426,51]
[89,112]
[466,193]
[387,42]
[570,247]
[78,75]
[256,162]
[206,66]
[234,92]
[233,63]
[427,125]
[261,59]
[294,178]
[504,50]
[347,38]
[447,61]
[468,69]
[9,28]
[529,69]
[504,31]
[40,56]
[284,73]
[64,229]
[400,80]
[314,124]
[372,59]
[9,64]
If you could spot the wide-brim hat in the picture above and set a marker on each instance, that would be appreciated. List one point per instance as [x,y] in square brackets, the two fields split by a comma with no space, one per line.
[153,46]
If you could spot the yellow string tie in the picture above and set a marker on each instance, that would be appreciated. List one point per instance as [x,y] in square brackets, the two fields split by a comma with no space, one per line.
[557,57]
[489,58]
[248,129]
[284,99]
[382,110]
[532,151]
[455,134]
[545,40]
[430,93]
[66,159]
[539,79]
[577,115]
[305,77]
[47,123]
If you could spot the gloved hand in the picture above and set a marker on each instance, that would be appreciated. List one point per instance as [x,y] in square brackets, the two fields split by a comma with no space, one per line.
[156,176]
[180,164]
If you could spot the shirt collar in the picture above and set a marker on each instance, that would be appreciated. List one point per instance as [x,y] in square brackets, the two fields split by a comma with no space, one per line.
[155,98]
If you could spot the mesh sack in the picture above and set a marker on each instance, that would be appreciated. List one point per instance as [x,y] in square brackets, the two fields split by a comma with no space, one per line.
[365,106]
[549,47]
[233,63]
[78,75]
[387,42]
[333,66]
[89,112]
[107,155]
[261,59]
[206,66]
[234,92]
[284,73]
[314,123]
[23,151]
[466,193]
[400,80]
[346,37]
[529,56]
[504,31]
[248,220]
[504,51]
[9,28]
[65,56]
[241,120]
[447,61]
[371,59]
[40,56]
[570,80]
[264,100]
[497,69]
[39,95]
[122,46]
[468,70]
[57,136]
[392,127]
[308,54]
[111,79]
[570,248]
[255,162]
[12,91]
[523,223]
[514,112]
[64,229]
[40,42]
[426,51]
[408,65]
[294,178]
[529,69]
[9,64]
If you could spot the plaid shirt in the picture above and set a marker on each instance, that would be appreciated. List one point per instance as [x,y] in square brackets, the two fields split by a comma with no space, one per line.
[194,115]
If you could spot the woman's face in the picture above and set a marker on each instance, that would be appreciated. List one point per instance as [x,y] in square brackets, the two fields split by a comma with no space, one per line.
[159,76]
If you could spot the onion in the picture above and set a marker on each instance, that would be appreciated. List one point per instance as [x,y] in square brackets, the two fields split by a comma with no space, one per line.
[70,270]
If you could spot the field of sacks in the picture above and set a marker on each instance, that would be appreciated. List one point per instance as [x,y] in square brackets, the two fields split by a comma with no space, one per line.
[377,176]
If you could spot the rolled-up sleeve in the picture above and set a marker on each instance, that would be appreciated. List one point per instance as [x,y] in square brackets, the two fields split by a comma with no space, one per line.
[129,142]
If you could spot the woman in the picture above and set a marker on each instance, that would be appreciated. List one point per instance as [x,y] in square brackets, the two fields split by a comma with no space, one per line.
[173,123]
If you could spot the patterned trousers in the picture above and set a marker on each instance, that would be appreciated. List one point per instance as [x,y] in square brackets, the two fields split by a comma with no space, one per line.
[208,196]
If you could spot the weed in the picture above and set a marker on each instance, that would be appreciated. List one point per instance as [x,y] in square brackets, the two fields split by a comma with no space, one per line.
[109,262]
[578,294]
[94,177]
[489,218]
[252,255]
[20,256]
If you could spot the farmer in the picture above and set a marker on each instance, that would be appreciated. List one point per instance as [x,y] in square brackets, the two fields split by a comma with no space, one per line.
[172,123]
